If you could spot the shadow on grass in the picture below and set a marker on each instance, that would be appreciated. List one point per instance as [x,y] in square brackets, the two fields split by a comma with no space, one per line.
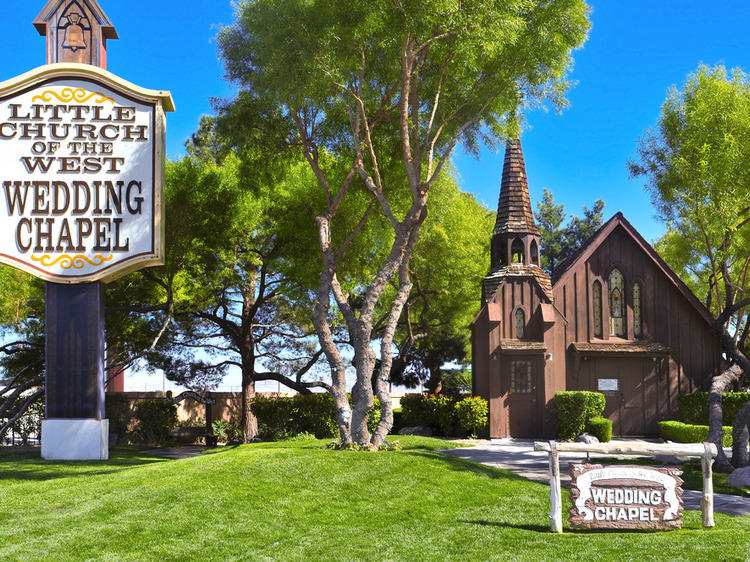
[462,465]
[485,523]
[28,465]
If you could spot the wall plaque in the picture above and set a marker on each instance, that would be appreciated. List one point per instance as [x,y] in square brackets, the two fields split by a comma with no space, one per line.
[625,497]
[81,174]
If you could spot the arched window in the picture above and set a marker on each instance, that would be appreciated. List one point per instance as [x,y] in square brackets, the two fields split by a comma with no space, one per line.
[637,323]
[516,251]
[520,323]
[534,253]
[616,303]
[597,297]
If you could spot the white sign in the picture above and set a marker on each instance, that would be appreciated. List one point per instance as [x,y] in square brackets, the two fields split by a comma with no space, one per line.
[608,385]
[81,174]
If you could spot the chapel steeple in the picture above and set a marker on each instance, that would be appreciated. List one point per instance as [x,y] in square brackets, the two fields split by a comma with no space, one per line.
[516,237]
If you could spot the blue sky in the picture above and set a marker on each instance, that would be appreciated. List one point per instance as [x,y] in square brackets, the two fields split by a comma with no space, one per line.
[636,50]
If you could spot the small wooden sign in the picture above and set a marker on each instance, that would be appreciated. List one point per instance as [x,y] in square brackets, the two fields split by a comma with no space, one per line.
[625,497]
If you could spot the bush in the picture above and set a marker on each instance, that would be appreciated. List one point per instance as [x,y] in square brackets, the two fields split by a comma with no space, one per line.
[274,416]
[117,411]
[693,408]
[435,411]
[415,410]
[573,409]
[156,418]
[472,414]
[688,433]
[225,431]
[601,428]
[284,417]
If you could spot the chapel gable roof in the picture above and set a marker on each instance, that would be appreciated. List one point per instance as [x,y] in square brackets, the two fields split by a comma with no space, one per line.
[566,269]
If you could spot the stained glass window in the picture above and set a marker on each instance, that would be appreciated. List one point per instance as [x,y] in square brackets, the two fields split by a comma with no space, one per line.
[616,303]
[637,326]
[520,377]
[520,323]
[597,309]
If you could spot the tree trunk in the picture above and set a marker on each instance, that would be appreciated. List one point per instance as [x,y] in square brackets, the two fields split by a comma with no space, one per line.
[325,338]
[435,382]
[362,396]
[715,414]
[720,385]
[740,437]
[249,421]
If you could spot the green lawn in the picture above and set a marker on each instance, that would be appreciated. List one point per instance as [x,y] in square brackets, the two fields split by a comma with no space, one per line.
[292,501]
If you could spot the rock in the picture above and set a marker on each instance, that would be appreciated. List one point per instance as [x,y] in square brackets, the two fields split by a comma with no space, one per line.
[740,477]
[416,430]
[253,440]
[587,438]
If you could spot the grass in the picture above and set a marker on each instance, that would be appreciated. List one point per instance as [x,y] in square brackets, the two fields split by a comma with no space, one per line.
[692,475]
[299,501]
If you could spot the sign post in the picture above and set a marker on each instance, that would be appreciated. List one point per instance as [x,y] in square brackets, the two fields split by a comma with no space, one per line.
[82,160]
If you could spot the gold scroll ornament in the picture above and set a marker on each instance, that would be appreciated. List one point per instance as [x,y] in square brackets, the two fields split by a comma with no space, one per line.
[70,94]
[71,262]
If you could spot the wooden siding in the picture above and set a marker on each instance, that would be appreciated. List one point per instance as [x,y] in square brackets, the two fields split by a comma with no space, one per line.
[667,317]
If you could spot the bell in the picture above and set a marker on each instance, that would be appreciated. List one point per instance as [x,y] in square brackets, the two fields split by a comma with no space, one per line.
[74,39]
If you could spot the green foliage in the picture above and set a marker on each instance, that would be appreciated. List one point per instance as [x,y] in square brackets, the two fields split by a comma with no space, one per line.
[693,407]
[436,411]
[286,416]
[688,433]
[156,418]
[560,241]
[695,163]
[117,410]
[30,423]
[472,414]
[573,409]
[600,427]
[225,431]
[447,267]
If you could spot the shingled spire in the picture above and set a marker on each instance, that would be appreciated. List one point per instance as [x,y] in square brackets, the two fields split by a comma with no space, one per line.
[516,237]
[514,206]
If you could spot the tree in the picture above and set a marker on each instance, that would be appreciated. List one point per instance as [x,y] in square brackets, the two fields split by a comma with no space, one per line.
[230,302]
[696,166]
[447,268]
[377,95]
[561,241]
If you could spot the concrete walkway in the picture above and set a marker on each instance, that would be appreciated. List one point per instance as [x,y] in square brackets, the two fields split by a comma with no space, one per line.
[519,457]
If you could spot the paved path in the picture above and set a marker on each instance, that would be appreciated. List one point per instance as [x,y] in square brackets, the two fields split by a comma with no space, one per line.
[519,457]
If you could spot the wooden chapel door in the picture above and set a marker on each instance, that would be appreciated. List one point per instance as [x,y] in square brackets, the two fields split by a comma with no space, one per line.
[524,376]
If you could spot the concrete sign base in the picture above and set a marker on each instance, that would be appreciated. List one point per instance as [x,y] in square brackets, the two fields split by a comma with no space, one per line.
[75,440]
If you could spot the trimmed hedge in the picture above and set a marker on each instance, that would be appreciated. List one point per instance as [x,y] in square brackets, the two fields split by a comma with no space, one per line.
[688,433]
[288,416]
[156,418]
[601,428]
[472,414]
[573,409]
[694,407]
[436,411]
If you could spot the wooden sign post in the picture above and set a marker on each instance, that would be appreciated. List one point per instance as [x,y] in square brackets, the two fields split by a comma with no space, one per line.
[82,153]
[626,497]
